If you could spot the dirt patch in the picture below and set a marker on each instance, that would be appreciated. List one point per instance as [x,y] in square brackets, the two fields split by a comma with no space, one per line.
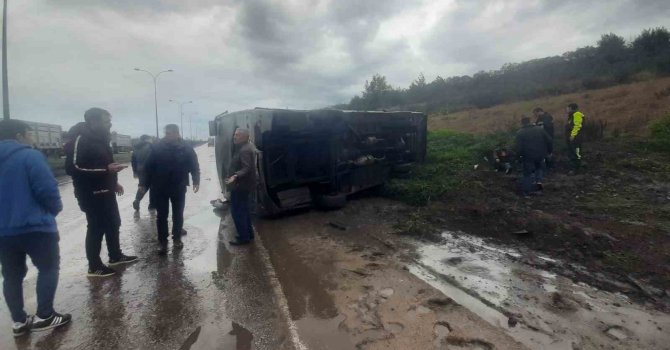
[610,225]
[373,301]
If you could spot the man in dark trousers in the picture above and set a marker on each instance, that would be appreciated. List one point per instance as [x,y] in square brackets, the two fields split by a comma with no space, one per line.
[138,162]
[241,185]
[533,145]
[166,176]
[94,176]
[28,209]
[546,121]
[573,136]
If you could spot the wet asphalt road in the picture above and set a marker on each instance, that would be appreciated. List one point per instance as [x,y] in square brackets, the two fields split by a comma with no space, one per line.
[207,296]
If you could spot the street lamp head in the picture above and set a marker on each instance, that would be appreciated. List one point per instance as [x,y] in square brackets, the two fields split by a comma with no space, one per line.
[136,68]
[170,70]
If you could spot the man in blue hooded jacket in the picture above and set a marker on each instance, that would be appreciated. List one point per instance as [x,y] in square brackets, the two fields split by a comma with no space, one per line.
[28,209]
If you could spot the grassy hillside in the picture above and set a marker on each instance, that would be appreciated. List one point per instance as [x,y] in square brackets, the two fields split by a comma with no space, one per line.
[613,217]
[627,109]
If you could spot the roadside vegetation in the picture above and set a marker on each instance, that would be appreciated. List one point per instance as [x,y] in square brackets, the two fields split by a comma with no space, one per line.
[612,61]
[613,218]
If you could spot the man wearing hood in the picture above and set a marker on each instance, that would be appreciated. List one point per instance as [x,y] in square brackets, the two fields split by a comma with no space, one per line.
[28,209]
[166,175]
[138,162]
[94,176]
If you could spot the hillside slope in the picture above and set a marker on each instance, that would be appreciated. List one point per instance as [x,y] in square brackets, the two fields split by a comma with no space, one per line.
[628,108]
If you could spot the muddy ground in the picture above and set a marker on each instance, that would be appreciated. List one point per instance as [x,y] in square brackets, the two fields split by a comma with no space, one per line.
[348,286]
[352,282]
[608,224]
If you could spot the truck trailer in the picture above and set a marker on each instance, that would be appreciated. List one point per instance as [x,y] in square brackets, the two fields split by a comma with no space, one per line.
[319,157]
[121,143]
[47,138]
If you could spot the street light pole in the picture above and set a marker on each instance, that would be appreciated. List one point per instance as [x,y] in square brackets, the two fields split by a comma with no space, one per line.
[190,125]
[5,83]
[181,114]
[155,78]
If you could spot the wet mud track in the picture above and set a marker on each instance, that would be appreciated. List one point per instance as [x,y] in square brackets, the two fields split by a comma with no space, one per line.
[348,287]
[207,296]
[353,284]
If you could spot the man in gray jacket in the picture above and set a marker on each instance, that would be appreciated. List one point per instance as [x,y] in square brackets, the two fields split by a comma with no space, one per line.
[242,184]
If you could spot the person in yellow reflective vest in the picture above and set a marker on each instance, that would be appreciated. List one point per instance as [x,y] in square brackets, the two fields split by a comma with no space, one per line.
[573,135]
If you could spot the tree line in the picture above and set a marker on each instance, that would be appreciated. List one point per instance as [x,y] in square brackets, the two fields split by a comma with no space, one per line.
[611,61]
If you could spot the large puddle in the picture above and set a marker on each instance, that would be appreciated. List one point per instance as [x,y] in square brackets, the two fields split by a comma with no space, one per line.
[536,307]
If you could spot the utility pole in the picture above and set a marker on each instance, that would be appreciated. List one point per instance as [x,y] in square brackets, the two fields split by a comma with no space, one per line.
[5,81]
[155,78]
[190,125]
[181,115]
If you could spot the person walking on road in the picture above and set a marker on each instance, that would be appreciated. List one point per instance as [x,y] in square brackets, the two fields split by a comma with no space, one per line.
[241,185]
[166,176]
[573,136]
[533,145]
[28,209]
[94,176]
[138,162]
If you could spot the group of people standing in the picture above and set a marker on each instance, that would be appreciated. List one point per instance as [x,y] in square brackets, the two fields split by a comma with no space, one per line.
[534,145]
[31,201]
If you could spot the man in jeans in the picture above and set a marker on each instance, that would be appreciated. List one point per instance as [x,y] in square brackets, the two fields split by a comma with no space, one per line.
[241,185]
[28,209]
[166,176]
[533,145]
[94,176]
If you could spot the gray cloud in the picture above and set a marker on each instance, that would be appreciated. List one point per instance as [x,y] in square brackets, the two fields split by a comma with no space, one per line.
[68,55]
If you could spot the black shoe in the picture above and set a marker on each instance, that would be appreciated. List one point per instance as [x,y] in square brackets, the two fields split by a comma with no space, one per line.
[162,249]
[177,244]
[124,259]
[56,320]
[238,242]
[136,205]
[184,232]
[103,271]
[20,329]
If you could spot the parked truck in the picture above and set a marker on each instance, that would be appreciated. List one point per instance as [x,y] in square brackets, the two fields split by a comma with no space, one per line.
[47,138]
[121,143]
[319,157]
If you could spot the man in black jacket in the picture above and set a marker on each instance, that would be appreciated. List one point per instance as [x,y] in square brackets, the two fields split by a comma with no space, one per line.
[533,145]
[166,176]
[546,121]
[94,176]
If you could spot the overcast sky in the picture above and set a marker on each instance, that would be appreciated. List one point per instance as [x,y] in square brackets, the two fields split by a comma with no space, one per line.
[68,55]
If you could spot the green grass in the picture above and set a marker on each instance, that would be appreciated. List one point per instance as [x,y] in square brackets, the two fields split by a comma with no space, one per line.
[660,134]
[449,163]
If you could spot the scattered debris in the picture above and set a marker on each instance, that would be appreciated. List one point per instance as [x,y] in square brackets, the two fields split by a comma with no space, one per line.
[337,225]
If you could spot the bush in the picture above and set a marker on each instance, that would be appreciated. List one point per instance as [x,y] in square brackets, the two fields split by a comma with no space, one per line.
[449,165]
[660,134]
